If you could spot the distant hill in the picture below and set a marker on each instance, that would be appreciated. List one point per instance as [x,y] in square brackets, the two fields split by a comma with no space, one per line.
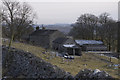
[65,28]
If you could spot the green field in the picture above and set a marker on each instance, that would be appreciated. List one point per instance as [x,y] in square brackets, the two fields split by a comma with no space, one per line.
[90,61]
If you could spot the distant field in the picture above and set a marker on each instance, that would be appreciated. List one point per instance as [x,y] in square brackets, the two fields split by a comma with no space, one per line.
[90,61]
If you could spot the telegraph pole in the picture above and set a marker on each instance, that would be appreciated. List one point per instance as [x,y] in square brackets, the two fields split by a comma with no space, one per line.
[118,47]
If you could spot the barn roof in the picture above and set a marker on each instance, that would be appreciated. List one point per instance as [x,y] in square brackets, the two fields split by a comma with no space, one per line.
[43,32]
[82,42]
[60,40]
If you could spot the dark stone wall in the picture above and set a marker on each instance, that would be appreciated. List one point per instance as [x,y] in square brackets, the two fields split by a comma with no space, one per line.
[45,40]
[54,36]
[94,48]
[42,41]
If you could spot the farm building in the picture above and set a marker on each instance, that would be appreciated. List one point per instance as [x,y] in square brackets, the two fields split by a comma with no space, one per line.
[91,45]
[44,37]
[65,44]
[72,49]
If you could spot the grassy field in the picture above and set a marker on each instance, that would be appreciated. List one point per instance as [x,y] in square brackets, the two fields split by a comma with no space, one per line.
[74,66]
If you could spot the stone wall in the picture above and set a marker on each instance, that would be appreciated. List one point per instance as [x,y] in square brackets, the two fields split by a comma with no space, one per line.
[42,41]
[54,36]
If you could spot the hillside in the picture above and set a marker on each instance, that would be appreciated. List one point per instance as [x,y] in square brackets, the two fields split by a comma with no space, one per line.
[90,61]
[21,64]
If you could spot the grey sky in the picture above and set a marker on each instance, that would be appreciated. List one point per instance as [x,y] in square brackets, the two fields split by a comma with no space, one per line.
[68,12]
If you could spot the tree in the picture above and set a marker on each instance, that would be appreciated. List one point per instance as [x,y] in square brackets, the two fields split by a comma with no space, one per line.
[102,28]
[85,26]
[17,17]
[107,30]
[110,34]
[104,18]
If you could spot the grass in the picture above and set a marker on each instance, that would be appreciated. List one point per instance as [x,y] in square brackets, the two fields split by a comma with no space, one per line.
[73,66]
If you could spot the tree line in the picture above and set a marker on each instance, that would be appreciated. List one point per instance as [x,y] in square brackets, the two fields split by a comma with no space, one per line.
[102,27]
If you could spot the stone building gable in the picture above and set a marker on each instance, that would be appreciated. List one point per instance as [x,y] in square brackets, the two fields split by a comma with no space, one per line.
[44,38]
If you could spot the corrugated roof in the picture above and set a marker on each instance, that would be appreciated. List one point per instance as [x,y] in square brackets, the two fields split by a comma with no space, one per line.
[43,32]
[82,42]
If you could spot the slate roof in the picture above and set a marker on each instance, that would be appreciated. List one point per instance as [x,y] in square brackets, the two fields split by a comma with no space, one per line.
[60,40]
[82,42]
[43,32]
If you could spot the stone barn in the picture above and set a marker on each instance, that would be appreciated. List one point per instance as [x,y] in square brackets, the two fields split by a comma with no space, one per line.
[72,49]
[44,37]
[65,44]
[91,45]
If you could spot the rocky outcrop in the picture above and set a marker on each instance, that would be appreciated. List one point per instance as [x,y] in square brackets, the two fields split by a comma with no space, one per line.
[18,63]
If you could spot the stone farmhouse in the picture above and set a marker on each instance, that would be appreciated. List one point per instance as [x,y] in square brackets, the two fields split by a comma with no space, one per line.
[56,40]
[44,37]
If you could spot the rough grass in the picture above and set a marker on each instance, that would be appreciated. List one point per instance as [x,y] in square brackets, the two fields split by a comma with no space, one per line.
[73,66]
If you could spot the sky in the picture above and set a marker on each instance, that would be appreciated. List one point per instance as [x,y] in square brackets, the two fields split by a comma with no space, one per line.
[67,11]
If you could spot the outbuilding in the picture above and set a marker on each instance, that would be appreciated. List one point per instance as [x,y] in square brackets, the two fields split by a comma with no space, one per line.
[72,49]
[65,44]
[91,45]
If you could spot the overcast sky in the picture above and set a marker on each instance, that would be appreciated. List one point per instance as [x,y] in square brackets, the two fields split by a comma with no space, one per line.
[68,12]
[53,11]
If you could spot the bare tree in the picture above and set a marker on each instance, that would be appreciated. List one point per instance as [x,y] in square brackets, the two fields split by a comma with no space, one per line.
[86,25]
[110,34]
[103,28]
[107,30]
[17,16]
[105,18]
[25,20]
